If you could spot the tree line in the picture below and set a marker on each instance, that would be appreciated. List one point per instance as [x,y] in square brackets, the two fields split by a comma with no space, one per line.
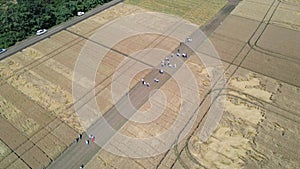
[22,18]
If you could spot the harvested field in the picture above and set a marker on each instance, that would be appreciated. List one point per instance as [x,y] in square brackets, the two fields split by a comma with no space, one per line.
[89,26]
[296,2]
[232,140]
[253,110]
[8,160]
[198,12]
[51,146]
[18,164]
[35,158]
[277,40]
[259,128]
[14,116]
[4,150]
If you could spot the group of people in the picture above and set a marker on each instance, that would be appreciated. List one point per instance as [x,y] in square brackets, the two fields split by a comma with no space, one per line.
[87,141]
[91,138]
[184,55]
[78,138]
[145,83]
[166,62]
[148,83]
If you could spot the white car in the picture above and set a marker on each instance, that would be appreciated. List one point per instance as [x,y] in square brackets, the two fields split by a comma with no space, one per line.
[80,13]
[41,31]
[2,50]
[189,39]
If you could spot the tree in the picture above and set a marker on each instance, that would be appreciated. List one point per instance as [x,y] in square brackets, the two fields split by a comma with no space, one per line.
[18,21]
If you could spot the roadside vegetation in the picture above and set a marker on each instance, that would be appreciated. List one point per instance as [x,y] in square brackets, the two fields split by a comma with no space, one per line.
[22,18]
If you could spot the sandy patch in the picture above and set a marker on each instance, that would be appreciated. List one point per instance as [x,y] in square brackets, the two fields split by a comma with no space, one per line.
[232,141]
[200,73]
[287,97]
[251,85]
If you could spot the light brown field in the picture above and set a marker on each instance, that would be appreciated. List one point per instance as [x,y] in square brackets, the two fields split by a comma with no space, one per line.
[195,11]
[260,124]
[41,75]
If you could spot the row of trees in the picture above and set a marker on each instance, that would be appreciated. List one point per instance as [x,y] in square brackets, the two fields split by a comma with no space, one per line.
[22,18]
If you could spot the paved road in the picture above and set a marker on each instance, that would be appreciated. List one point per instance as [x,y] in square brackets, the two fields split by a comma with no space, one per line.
[34,39]
[77,154]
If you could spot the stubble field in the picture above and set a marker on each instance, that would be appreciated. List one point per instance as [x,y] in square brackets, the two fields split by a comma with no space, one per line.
[260,124]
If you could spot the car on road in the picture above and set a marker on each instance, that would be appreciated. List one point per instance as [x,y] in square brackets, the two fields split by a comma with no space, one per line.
[41,31]
[80,13]
[2,50]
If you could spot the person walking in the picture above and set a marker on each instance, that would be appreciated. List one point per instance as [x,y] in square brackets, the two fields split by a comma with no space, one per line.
[143,81]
